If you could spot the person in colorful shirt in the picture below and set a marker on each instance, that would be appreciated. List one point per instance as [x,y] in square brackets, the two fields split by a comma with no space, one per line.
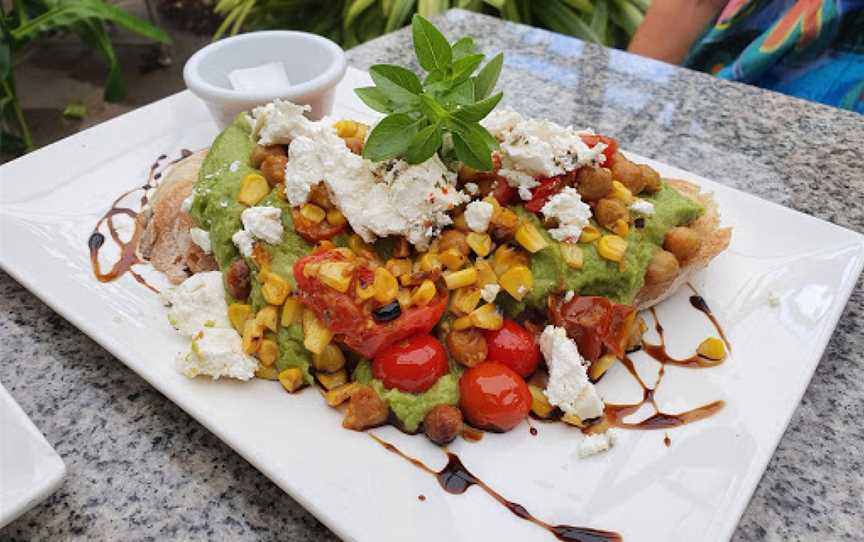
[813,49]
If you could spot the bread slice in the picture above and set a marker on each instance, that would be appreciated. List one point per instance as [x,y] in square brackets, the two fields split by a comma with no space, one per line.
[714,241]
[166,242]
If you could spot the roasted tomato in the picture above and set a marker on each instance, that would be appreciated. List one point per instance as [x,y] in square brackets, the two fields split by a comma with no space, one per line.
[593,322]
[548,187]
[412,365]
[608,152]
[351,320]
[313,232]
[494,397]
[515,347]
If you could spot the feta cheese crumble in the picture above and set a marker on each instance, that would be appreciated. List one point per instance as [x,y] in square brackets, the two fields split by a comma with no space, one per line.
[197,302]
[568,387]
[642,207]
[571,212]
[202,239]
[471,188]
[597,443]
[569,295]
[531,148]
[478,214]
[490,292]
[244,242]
[217,352]
[280,121]
[264,223]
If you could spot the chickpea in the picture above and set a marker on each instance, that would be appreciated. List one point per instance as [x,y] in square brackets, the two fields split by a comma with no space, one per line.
[273,169]
[262,152]
[594,183]
[652,179]
[683,242]
[504,225]
[662,268]
[443,424]
[365,409]
[608,211]
[238,280]
[468,346]
[453,239]
[628,174]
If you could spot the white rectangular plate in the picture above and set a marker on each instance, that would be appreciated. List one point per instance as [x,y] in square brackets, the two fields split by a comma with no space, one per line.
[778,291]
[30,469]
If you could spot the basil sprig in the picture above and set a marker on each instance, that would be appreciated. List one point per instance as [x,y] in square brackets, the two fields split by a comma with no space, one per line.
[450,101]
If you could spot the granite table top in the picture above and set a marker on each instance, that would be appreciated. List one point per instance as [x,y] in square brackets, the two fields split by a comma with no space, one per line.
[139,468]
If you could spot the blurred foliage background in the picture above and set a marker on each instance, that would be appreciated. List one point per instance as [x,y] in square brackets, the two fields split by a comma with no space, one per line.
[350,22]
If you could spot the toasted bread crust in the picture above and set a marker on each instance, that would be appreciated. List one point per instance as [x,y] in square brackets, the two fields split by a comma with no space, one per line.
[714,241]
[166,242]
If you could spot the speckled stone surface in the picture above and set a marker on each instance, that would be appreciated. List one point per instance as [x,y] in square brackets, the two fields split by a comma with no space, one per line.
[141,469]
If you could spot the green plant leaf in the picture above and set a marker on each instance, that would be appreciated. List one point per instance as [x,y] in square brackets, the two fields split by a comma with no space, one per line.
[472,151]
[465,66]
[476,111]
[93,34]
[374,98]
[488,77]
[398,84]
[69,12]
[461,94]
[390,137]
[585,6]
[626,15]
[353,9]
[600,19]
[398,13]
[5,59]
[433,111]
[424,144]
[431,47]
[558,17]
[75,111]
[462,48]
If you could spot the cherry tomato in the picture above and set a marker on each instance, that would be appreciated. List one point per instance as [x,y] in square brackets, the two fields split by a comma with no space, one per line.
[351,321]
[608,152]
[494,397]
[492,183]
[515,347]
[549,186]
[412,365]
[313,232]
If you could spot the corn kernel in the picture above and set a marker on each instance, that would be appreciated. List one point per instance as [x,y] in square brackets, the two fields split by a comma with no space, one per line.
[253,332]
[530,239]
[423,294]
[364,293]
[291,379]
[589,234]
[267,373]
[275,289]
[238,313]
[460,279]
[333,380]
[540,405]
[621,192]
[505,219]
[612,247]
[268,352]
[336,218]
[462,323]
[496,205]
[253,188]
[517,281]
[480,243]
[452,258]
[487,317]
[346,128]
[269,318]
[330,360]
[261,256]
[403,296]
[340,394]
[712,348]
[460,223]
[430,262]
[572,255]
[398,266]
[621,228]
[313,213]
[291,311]
[506,257]
[465,300]
[485,273]
[385,286]
[357,245]
[572,419]
[336,275]
[600,366]
[316,336]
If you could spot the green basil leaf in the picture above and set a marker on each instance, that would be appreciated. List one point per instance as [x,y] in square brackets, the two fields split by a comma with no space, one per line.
[435,76]
[431,47]
[374,98]
[396,83]
[461,94]
[430,107]
[472,151]
[462,48]
[478,110]
[424,144]
[488,76]
[390,137]
[465,66]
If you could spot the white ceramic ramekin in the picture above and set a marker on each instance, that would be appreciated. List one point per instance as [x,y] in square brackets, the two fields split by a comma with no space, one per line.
[314,65]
